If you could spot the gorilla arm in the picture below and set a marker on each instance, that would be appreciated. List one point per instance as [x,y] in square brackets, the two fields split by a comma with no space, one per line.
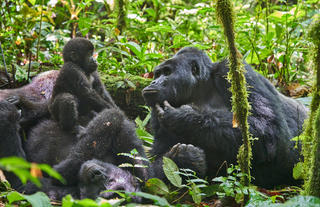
[99,87]
[206,129]
[81,88]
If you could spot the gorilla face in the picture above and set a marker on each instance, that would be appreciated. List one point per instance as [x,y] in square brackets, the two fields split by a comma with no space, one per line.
[89,64]
[80,51]
[178,80]
[97,176]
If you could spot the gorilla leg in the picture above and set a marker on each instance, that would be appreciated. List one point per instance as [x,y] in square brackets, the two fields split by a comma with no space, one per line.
[64,110]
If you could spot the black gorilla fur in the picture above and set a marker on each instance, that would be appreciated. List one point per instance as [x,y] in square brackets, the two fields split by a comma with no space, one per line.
[78,93]
[10,140]
[96,176]
[106,135]
[78,90]
[200,114]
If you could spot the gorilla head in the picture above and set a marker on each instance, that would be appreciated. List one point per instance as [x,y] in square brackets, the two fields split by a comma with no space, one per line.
[97,176]
[80,51]
[191,64]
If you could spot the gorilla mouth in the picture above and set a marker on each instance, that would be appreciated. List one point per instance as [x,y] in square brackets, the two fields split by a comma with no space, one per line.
[150,91]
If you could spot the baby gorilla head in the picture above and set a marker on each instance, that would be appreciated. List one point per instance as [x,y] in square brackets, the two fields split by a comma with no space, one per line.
[80,51]
[97,176]
[179,80]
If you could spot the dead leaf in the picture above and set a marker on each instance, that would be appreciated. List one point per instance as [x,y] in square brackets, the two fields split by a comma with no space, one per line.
[35,171]
[235,123]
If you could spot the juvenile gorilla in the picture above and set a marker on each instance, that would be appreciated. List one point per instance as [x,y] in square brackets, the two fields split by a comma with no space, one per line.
[96,176]
[190,104]
[102,139]
[108,134]
[78,90]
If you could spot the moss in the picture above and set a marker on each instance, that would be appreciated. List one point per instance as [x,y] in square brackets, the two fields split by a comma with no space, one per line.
[126,92]
[312,186]
[240,104]
[307,136]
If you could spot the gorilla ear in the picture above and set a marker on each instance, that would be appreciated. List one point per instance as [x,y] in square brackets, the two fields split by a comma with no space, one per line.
[195,68]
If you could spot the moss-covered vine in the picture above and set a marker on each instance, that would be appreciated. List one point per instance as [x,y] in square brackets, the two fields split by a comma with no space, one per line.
[311,135]
[240,104]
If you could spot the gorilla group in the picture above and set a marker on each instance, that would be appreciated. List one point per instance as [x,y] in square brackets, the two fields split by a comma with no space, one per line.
[192,119]
[81,130]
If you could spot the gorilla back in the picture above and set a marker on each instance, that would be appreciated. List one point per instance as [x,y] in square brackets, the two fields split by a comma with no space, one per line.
[201,115]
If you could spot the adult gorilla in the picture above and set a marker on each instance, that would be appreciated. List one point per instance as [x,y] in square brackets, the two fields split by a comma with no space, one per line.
[190,102]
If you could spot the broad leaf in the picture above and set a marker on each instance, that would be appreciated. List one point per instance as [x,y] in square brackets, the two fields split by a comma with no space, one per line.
[156,186]
[171,171]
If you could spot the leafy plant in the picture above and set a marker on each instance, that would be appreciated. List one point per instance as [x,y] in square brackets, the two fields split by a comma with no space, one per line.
[192,186]
[27,171]
[141,131]
[231,186]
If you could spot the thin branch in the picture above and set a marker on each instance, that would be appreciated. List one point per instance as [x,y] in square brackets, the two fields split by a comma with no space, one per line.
[39,37]
[5,66]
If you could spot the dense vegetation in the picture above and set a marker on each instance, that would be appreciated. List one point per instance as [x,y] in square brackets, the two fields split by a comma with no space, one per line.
[132,37]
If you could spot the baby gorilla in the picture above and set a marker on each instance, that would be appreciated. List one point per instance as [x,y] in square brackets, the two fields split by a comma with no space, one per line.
[78,90]
[96,176]
[108,134]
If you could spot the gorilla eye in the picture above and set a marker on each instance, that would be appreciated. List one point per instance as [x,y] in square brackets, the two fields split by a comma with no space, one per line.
[195,69]
[95,174]
[166,71]
[156,74]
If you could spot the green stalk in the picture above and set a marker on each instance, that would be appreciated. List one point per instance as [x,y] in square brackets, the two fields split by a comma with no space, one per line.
[39,35]
[240,104]
[311,134]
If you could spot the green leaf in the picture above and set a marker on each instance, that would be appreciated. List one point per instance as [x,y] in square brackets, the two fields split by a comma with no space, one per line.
[135,48]
[32,2]
[14,162]
[195,193]
[171,171]
[84,25]
[157,200]
[277,15]
[160,28]
[298,171]
[14,196]
[156,186]
[51,172]
[38,199]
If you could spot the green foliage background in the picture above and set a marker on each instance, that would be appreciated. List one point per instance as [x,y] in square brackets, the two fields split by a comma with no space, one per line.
[271,36]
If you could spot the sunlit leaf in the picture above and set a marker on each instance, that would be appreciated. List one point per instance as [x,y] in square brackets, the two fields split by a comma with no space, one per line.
[156,186]
[171,171]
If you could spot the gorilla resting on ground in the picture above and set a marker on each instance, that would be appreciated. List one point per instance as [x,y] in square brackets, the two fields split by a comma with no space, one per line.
[78,90]
[96,142]
[32,99]
[190,104]
[108,134]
